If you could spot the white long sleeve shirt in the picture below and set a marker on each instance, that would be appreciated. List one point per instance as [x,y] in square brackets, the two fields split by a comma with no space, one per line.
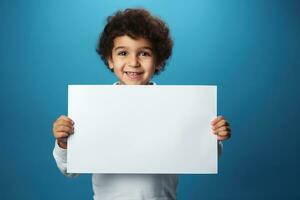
[125,186]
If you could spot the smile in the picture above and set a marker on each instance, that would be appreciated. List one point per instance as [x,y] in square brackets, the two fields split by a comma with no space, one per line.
[134,75]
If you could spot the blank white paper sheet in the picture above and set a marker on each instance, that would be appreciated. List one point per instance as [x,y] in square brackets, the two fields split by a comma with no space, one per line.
[157,129]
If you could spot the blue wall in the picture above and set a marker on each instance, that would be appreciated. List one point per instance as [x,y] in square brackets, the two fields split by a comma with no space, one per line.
[250,49]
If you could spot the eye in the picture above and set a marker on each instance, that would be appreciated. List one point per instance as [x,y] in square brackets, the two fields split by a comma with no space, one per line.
[145,53]
[122,53]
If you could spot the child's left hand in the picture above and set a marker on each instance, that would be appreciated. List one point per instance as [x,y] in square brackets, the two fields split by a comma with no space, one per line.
[220,127]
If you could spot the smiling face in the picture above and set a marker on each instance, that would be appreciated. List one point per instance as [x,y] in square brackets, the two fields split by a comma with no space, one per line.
[132,60]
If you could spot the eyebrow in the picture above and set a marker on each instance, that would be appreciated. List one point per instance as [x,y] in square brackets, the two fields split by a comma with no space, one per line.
[124,47]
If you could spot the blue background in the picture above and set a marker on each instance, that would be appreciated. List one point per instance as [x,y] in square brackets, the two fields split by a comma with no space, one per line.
[250,49]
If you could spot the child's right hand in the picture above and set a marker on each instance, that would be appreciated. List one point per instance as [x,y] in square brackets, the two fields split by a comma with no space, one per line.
[63,127]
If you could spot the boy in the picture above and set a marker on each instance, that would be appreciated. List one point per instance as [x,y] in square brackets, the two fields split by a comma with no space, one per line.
[134,45]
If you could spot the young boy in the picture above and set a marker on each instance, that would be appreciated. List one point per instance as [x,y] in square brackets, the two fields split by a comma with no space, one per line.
[134,45]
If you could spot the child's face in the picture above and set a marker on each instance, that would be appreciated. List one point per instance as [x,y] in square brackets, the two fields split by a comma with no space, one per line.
[132,60]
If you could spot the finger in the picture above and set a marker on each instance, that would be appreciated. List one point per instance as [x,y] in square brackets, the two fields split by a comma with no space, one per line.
[216,120]
[222,128]
[62,128]
[222,133]
[220,124]
[59,135]
[64,123]
[63,117]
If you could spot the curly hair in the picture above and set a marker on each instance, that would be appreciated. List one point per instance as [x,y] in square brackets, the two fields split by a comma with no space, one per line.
[136,23]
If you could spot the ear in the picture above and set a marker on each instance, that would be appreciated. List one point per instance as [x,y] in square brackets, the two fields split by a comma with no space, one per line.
[110,63]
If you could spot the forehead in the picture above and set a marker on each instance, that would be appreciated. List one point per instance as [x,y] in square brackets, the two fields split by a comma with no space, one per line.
[130,43]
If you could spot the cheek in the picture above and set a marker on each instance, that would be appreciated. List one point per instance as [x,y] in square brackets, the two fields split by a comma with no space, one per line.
[149,65]
[118,64]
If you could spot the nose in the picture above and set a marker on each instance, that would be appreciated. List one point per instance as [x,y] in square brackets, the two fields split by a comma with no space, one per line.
[133,61]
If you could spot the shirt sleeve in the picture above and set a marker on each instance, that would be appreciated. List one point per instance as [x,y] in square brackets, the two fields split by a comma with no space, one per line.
[60,156]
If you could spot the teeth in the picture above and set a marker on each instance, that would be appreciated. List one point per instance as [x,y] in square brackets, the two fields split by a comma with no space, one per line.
[133,74]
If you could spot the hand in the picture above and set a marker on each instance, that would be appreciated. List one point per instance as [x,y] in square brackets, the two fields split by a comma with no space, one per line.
[220,127]
[63,127]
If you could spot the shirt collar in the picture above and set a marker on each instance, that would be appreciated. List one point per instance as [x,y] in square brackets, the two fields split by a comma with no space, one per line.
[150,83]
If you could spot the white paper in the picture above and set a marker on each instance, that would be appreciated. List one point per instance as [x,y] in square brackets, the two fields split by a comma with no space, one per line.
[142,129]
